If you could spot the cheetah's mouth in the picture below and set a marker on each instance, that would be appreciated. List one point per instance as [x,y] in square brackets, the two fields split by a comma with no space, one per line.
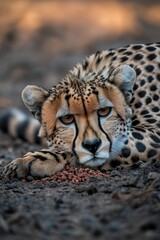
[95,162]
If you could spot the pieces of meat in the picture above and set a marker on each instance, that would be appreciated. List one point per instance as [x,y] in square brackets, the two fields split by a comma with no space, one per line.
[75,175]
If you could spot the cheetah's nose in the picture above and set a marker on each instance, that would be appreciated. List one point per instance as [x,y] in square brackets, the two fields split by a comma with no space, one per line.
[92,146]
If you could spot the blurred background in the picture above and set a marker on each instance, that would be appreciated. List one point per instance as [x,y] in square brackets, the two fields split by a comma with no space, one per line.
[40,40]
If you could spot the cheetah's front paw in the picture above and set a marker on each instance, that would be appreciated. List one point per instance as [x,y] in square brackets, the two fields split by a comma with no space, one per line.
[39,164]
[18,168]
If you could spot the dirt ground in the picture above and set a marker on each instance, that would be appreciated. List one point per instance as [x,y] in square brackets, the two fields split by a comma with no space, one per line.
[39,42]
[124,205]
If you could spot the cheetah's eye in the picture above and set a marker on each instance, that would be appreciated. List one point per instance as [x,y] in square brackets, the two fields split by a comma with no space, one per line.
[104,112]
[67,119]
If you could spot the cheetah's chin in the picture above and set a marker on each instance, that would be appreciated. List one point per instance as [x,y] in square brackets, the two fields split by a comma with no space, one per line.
[95,162]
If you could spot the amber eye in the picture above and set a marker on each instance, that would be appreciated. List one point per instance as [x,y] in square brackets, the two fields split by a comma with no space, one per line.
[103,112]
[67,119]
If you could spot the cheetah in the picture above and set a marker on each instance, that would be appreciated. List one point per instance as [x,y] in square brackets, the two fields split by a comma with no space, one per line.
[104,113]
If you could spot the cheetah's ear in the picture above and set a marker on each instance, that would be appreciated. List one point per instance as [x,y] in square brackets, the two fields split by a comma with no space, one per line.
[34,97]
[124,77]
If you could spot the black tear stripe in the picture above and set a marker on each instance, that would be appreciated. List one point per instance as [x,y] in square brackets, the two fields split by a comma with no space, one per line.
[103,130]
[105,134]
[74,140]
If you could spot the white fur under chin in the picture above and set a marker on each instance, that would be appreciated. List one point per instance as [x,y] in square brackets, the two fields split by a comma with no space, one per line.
[95,162]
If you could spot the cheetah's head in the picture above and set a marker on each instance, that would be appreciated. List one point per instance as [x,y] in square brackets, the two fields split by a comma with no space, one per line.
[90,117]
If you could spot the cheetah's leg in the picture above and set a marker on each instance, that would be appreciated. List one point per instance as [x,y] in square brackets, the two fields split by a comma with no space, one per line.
[38,164]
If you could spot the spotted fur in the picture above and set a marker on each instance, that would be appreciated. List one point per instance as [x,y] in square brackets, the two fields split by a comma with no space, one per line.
[105,111]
